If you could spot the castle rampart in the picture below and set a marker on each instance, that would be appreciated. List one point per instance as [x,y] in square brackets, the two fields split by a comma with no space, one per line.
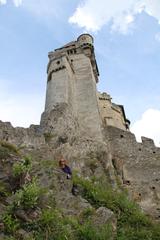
[138,165]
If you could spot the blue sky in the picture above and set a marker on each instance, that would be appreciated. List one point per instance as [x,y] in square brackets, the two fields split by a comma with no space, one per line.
[127,45]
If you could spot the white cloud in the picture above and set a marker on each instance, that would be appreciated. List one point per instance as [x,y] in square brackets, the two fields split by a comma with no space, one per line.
[17,3]
[148,126]
[3,2]
[93,14]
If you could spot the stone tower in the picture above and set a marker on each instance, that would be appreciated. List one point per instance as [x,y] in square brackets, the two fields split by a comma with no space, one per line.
[72,76]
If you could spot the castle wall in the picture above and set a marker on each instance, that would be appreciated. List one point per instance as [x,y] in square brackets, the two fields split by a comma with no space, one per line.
[58,84]
[22,137]
[111,114]
[138,165]
[86,99]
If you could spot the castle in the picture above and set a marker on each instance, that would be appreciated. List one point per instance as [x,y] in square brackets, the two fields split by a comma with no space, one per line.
[79,120]
[72,76]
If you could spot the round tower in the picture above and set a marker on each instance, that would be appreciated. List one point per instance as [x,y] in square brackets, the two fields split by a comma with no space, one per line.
[85,39]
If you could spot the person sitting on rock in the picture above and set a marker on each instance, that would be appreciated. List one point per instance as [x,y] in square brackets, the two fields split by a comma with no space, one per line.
[65,168]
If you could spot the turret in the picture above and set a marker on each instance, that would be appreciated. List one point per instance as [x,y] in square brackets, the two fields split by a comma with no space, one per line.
[85,40]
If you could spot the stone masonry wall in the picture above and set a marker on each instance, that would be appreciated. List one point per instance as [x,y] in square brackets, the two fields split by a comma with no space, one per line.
[86,99]
[27,137]
[138,166]
[111,114]
[72,83]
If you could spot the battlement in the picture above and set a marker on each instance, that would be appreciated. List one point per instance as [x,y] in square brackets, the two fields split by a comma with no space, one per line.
[148,142]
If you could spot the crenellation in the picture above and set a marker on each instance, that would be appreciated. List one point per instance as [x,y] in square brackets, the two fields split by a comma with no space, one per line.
[148,142]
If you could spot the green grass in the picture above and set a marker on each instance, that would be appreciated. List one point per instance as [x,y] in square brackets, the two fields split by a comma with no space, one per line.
[132,223]
[88,231]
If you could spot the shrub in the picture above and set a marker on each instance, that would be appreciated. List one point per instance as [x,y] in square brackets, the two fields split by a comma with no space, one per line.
[11,224]
[28,196]
[52,225]
[20,168]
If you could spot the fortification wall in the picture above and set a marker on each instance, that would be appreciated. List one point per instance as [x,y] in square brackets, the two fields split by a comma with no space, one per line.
[27,137]
[138,165]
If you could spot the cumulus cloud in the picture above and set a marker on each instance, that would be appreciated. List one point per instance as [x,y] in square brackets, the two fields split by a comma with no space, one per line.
[17,3]
[93,14]
[148,126]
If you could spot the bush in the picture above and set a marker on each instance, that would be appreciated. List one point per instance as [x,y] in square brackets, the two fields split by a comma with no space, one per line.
[52,225]
[11,224]
[28,196]
[20,168]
